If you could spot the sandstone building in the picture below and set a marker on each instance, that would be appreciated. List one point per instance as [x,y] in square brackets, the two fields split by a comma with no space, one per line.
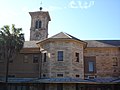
[62,62]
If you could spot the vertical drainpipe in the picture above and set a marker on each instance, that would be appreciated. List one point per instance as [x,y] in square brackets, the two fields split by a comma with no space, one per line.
[40,65]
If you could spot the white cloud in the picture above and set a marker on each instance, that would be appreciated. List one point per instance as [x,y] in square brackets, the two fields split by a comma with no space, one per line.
[81,4]
[86,4]
[72,4]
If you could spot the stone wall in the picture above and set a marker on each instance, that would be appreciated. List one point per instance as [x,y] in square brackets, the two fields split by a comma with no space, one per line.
[39,33]
[106,58]
[68,67]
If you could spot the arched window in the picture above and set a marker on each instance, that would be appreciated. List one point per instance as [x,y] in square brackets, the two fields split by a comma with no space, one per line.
[38,24]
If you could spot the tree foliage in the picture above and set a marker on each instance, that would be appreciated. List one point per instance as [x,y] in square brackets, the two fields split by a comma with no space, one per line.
[11,41]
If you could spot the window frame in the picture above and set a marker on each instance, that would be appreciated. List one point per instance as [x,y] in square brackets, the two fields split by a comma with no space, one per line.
[34,58]
[38,24]
[115,61]
[77,57]
[60,75]
[25,58]
[90,66]
[60,55]
[88,59]
[77,75]
[44,57]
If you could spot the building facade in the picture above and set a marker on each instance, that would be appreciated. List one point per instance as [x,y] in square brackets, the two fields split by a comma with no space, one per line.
[63,61]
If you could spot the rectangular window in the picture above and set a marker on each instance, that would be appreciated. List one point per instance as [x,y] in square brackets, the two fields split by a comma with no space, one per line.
[60,55]
[11,75]
[44,75]
[115,61]
[35,58]
[59,86]
[40,24]
[44,57]
[59,75]
[91,66]
[77,57]
[25,58]
[77,75]
[36,24]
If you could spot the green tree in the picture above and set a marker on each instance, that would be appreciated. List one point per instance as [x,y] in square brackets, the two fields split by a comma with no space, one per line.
[11,42]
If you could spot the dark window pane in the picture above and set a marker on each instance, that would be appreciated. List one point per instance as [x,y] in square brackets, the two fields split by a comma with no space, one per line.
[36,24]
[37,35]
[60,55]
[35,59]
[44,75]
[77,75]
[44,57]
[25,59]
[11,75]
[91,66]
[40,23]
[59,75]
[77,57]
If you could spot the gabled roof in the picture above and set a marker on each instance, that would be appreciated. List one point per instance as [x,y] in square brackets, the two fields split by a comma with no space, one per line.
[63,35]
[90,43]
[30,44]
[110,42]
[103,43]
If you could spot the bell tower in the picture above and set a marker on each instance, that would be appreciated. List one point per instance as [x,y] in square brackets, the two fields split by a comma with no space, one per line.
[39,25]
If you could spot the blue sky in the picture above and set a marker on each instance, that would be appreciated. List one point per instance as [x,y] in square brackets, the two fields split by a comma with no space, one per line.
[84,19]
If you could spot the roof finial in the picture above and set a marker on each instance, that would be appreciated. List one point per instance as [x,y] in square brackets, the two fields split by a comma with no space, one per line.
[41,7]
